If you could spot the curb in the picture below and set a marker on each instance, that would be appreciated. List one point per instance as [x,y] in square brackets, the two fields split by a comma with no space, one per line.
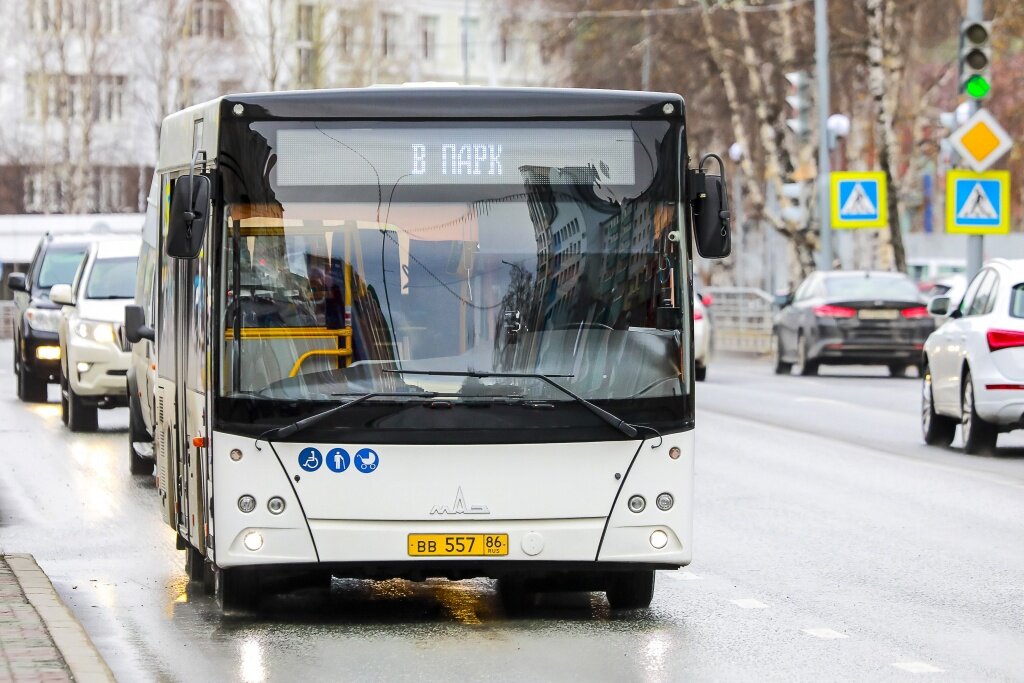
[81,656]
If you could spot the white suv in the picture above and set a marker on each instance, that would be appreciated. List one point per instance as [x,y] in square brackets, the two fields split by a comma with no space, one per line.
[93,364]
[974,361]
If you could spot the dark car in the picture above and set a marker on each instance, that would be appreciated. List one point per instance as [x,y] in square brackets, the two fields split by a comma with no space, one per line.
[36,350]
[851,317]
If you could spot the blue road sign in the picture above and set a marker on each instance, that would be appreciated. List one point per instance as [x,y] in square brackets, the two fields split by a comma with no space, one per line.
[310,459]
[367,460]
[338,460]
[978,203]
[859,199]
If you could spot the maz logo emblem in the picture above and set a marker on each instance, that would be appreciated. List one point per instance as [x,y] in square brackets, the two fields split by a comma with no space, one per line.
[459,507]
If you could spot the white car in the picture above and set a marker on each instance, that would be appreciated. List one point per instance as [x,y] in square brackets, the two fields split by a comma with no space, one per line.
[701,336]
[974,361]
[93,364]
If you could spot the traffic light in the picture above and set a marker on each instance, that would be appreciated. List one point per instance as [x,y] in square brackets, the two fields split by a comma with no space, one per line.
[975,58]
[799,100]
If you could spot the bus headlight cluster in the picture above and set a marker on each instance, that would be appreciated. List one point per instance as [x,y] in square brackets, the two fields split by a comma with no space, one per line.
[665,501]
[637,504]
[246,503]
[275,505]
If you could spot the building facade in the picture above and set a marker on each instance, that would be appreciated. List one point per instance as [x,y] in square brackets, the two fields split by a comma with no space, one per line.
[85,83]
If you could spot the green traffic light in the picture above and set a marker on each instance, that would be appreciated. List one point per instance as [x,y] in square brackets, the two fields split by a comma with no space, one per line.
[977,87]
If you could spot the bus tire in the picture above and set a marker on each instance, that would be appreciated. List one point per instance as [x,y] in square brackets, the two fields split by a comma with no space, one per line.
[236,588]
[195,564]
[631,590]
[136,463]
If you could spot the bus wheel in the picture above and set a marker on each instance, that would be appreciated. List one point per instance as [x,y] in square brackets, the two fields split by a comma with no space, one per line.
[195,564]
[236,587]
[136,463]
[632,590]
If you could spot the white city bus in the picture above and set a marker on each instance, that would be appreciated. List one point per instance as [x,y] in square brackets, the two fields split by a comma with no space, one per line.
[429,332]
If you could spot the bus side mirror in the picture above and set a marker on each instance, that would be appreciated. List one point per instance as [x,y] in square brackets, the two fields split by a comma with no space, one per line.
[190,208]
[16,282]
[135,327]
[711,218]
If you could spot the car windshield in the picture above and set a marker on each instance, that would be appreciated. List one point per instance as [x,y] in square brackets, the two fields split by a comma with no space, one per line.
[857,287]
[502,255]
[112,278]
[59,266]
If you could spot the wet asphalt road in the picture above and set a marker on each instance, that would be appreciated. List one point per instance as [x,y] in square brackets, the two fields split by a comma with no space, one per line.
[831,544]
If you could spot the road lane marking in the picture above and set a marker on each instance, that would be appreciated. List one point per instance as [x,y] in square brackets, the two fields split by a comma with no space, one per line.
[918,667]
[824,633]
[683,576]
[749,603]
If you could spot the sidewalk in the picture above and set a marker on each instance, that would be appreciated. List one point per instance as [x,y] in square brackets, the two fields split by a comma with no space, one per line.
[40,639]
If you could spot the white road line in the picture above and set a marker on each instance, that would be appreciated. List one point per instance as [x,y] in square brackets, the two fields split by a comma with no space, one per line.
[749,603]
[918,667]
[682,576]
[824,633]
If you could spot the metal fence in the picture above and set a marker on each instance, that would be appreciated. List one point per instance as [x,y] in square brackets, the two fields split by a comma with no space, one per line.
[742,318]
[6,319]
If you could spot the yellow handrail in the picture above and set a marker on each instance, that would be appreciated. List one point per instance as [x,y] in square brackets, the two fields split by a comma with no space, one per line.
[290,333]
[338,353]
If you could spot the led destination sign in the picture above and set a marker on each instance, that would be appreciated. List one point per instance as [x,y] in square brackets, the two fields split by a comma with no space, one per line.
[447,156]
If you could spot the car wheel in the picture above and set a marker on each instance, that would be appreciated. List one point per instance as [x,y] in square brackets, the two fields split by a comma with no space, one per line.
[979,436]
[631,590]
[938,430]
[31,388]
[806,366]
[780,366]
[897,370]
[63,397]
[80,417]
[701,372]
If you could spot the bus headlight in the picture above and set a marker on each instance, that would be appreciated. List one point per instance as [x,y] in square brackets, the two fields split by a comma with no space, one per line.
[254,541]
[665,501]
[275,505]
[659,539]
[246,503]
[637,504]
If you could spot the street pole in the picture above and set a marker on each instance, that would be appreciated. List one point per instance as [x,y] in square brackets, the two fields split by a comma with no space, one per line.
[821,60]
[465,43]
[645,68]
[975,243]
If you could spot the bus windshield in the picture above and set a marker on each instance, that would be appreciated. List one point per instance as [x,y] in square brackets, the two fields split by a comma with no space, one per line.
[519,248]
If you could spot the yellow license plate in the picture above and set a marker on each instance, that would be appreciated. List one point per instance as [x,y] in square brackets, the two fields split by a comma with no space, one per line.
[457,545]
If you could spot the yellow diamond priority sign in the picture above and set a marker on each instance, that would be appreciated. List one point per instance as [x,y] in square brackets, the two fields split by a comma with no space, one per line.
[981,141]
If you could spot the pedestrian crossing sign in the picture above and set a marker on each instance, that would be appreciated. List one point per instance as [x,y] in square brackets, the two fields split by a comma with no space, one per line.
[859,199]
[978,203]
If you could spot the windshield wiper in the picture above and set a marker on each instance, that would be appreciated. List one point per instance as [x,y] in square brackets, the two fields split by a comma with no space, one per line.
[306,422]
[613,421]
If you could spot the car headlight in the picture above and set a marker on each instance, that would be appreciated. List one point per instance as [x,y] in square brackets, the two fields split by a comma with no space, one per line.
[43,319]
[97,331]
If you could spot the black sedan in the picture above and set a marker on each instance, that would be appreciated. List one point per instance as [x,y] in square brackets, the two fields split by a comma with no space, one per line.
[851,317]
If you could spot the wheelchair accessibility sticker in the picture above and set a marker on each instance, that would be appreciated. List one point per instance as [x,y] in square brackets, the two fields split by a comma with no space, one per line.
[338,460]
[367,460]
[310,459]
